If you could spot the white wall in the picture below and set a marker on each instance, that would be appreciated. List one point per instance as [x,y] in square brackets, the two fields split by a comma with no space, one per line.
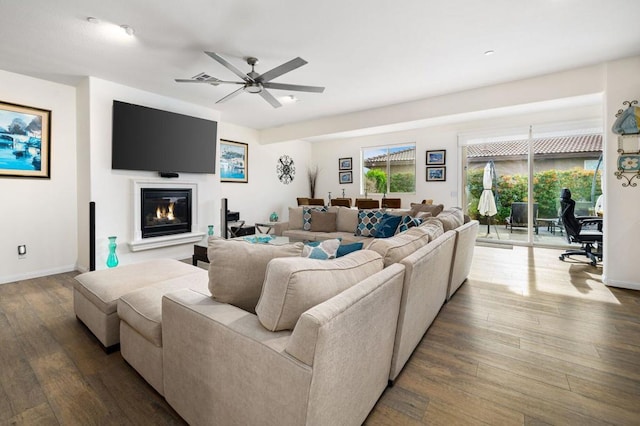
[264,193]
[622,221]
[41,213]
[327,153]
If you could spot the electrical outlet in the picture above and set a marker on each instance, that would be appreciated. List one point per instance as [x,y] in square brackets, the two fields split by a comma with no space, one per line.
[22,251]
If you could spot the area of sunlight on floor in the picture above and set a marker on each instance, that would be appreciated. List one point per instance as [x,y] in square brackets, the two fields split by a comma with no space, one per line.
[538,270]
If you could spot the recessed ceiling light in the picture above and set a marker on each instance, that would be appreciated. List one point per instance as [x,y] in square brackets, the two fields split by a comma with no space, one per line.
[93,20]
[489,52]
[289,99]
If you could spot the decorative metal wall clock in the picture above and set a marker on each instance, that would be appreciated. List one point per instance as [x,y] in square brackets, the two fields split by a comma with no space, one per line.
[285,169]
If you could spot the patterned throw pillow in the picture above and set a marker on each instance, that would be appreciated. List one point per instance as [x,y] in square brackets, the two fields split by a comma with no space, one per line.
[388,225]
[408,222]
[327,249]
[368,221]
[306,216]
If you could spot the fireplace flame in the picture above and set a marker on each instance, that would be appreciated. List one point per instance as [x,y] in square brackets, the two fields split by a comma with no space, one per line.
[165,213]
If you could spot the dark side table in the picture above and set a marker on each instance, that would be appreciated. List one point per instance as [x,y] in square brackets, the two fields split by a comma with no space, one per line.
[199,253]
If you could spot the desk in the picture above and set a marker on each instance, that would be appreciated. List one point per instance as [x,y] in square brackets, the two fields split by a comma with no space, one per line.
[268,225]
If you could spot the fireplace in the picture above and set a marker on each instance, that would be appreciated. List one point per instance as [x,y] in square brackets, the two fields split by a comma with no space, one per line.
[165,211]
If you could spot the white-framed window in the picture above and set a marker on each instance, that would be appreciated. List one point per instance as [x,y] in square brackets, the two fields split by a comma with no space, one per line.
[389,169]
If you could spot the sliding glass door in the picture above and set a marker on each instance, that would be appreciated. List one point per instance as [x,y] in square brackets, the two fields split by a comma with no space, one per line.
[512,183]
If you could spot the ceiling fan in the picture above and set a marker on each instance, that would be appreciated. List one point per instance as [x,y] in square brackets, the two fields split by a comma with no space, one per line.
[252,82]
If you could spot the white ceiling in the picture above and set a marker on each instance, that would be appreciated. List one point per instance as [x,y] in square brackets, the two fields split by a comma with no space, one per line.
[366,53]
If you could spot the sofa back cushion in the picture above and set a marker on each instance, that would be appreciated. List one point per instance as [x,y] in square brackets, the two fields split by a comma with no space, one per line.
[451,218]
[396,248]
[237,269]
[295,218]
[347,219]
[293,285]
[433,227]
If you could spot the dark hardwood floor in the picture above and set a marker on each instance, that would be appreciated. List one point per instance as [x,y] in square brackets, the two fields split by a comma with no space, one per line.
[527,340]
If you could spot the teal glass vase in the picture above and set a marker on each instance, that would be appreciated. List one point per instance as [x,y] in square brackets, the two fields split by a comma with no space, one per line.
[210,232]
[273,217]
[112,259]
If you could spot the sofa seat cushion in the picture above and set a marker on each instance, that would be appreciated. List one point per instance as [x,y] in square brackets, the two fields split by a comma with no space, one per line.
[293,285]
[104,287]
[142,309]
[237,269]
[396,248]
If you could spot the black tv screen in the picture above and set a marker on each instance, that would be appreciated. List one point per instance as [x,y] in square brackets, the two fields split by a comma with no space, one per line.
[162,141]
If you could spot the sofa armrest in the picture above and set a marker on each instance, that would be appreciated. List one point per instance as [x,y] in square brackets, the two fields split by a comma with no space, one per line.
[218,357]
[348,341]
[280,227]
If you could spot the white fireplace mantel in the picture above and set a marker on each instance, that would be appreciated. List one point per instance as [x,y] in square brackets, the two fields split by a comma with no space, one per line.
[138,243]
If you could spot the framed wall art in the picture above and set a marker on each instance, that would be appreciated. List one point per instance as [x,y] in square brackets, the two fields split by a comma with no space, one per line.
[234,161]
[345,163]
[25,141]
[345,177]
[436,157]
[436,174]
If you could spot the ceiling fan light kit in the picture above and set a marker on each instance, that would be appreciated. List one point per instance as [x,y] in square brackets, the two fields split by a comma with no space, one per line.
[253,82]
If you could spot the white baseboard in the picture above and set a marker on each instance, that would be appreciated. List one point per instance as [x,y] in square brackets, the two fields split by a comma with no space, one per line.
[36,274]
[620,284]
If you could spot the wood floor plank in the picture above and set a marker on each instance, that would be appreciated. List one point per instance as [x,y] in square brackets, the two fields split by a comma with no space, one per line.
[40,415]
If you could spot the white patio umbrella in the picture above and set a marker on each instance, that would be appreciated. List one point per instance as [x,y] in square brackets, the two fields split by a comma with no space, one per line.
[487,204]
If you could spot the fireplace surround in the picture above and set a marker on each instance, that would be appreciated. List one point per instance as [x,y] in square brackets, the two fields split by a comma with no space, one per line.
[164,214]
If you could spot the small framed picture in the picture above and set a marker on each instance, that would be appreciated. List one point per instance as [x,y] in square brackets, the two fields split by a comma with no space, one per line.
[436,174]
[345,163]
[438,157]
[345,177]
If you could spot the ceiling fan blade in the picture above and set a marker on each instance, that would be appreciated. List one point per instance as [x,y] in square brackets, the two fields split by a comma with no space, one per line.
[231,95]
[213,81]
[282,69]
[269,98]
[228,65]
[295,87]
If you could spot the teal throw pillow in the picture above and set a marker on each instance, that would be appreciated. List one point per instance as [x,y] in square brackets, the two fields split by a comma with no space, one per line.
[368,221]
[348,248]
[306,216]
[388,225]
[408,222]
[323,250]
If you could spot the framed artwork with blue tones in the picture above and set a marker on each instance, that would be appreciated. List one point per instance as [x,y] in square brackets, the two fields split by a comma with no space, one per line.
[25,141]
[436,157]
[234,161]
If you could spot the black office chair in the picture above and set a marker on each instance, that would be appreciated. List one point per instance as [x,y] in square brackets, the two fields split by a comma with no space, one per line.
[579,230]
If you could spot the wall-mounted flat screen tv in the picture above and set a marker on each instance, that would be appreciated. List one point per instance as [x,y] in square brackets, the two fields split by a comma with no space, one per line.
[161,141]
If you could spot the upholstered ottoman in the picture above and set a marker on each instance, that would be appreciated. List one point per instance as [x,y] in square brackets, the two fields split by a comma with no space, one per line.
[140,314]
[96,293]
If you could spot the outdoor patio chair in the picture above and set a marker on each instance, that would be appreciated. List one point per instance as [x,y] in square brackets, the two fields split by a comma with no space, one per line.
[519,216]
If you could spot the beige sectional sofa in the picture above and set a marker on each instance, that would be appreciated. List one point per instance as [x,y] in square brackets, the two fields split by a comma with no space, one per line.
[282,339]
